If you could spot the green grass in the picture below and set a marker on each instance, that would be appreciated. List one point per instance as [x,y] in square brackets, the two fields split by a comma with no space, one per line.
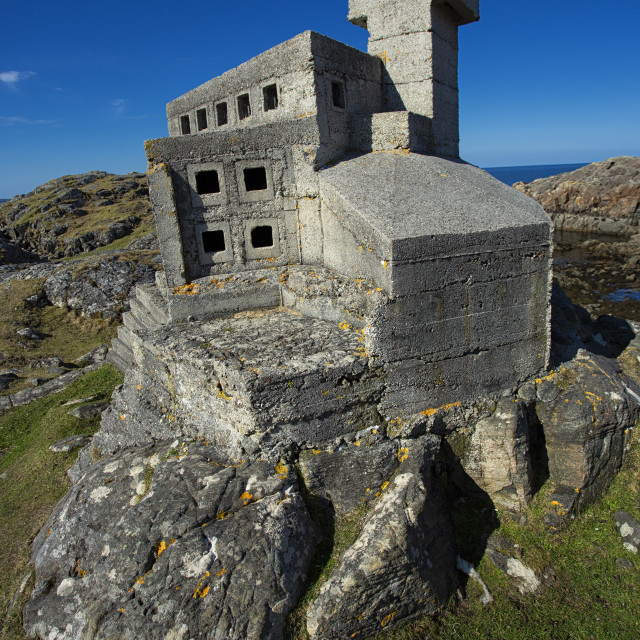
[69,335]
[34,479]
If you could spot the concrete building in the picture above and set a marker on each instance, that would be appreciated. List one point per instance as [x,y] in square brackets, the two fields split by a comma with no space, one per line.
[326,180]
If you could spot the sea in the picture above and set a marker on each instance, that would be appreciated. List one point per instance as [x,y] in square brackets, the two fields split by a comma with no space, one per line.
[529,173]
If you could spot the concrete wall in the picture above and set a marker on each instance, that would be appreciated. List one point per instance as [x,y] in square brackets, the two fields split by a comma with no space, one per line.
[417,40]
[234,211]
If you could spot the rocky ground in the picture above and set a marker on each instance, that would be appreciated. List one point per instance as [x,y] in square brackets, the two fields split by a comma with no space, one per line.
[71,253]
[596,212]
[176,539]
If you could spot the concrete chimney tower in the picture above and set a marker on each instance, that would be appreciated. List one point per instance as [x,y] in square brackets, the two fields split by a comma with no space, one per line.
[418,42]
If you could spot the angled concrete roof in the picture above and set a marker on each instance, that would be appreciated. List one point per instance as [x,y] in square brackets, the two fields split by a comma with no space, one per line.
[404,195]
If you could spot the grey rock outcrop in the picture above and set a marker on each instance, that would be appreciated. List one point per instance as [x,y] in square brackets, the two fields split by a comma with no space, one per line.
[43,224]
[402,563]
[199,547]
[602,197]
[498,458]
[587,409]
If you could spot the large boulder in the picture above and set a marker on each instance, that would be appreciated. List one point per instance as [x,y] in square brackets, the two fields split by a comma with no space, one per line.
[587,409]
[402,563]
[498,457]
[172,541]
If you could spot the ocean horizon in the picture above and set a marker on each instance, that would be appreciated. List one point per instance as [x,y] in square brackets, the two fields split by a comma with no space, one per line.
[529,173]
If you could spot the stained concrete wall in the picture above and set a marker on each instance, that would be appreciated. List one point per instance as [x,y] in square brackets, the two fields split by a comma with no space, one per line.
[280,149]
[302,70]
[465,263]
[417,40]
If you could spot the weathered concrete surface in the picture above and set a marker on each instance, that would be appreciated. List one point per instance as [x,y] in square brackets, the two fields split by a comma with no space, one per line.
[172,541]
[403,561]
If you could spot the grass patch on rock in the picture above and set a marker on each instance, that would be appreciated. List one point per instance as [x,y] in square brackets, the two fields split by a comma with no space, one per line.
[67,334]
[33,480]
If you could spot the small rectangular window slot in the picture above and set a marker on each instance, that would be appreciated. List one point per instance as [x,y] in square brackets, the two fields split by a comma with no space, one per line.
[255,179]
[207,182]
[244,106]
[262,237]
[213,241]
[221,114]
[201,115]
[270,94]
[337,94]
[185,125]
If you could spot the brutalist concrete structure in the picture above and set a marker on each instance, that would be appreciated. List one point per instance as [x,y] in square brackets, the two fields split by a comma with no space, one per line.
[317,181]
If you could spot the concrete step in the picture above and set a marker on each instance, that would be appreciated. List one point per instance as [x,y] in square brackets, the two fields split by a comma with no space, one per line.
[118,362]
[123,351]
[161,284]
[142,315]
[132,323]
[128,338]
[154,303]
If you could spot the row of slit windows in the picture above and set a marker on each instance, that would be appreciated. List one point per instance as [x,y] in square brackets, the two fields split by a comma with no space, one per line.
[215,241]
[221,112]
[208,181]
[243,102]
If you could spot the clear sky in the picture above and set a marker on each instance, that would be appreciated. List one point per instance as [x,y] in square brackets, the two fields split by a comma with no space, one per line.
[83,84]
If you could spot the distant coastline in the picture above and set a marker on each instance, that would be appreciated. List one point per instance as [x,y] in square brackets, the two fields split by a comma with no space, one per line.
[509,175]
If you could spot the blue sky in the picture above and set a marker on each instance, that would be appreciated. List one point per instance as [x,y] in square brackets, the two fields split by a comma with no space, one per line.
[82,85]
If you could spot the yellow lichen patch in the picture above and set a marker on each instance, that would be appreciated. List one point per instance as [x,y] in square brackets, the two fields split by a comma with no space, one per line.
[384,485]
[387,619]
[357,443]
[316,452]
[163,546]
[281,470]
[221,572]
[344,325]
[192,289]
[199,592]
[403,454]
[222,395]
[246,497]
[444,407]
[385,264]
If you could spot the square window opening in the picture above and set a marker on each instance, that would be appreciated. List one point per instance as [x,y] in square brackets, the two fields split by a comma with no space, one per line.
[262,237]
[244,106]
[185,125]
[207,182]
[255,179]
[270,94]
[221,114]
[337,94]
[201,115]
[213,241]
